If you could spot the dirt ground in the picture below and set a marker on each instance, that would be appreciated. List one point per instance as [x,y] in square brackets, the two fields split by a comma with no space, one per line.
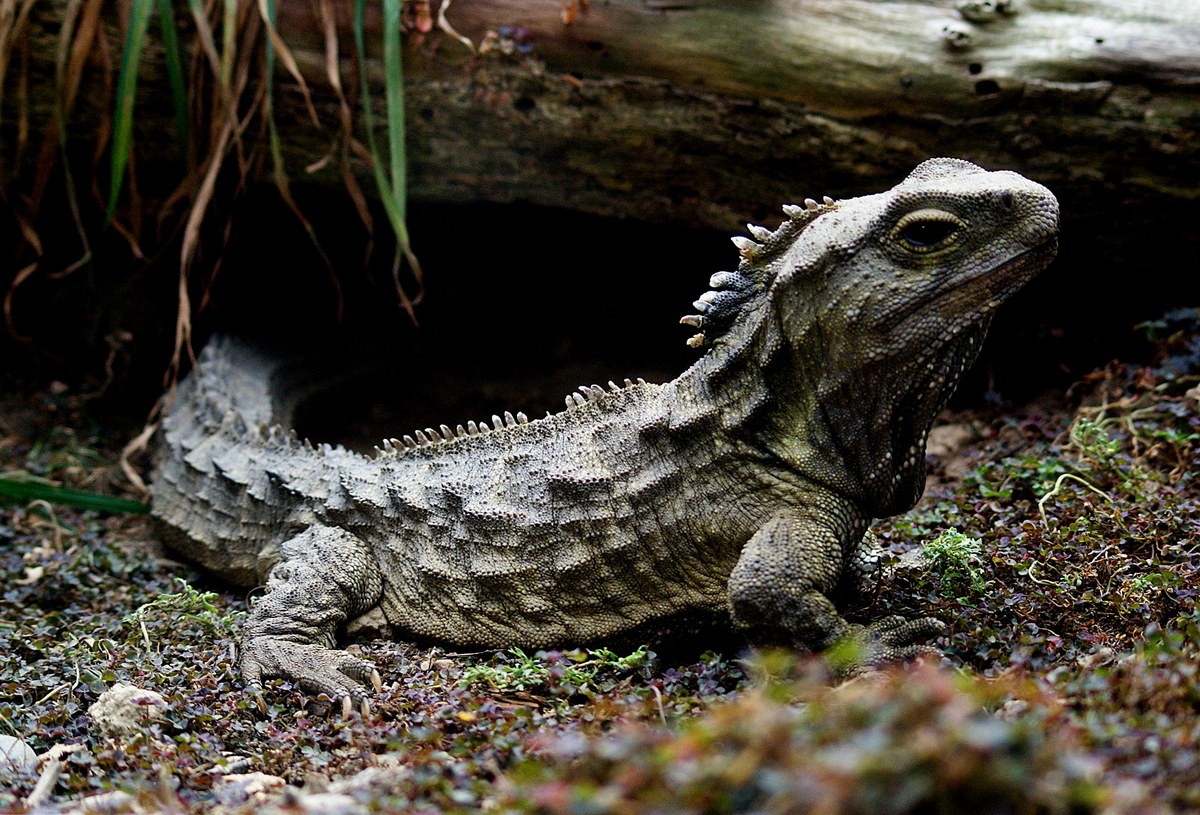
[1060,541]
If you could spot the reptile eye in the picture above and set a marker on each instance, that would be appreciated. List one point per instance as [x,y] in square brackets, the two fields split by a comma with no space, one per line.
[926,234]
[927,230]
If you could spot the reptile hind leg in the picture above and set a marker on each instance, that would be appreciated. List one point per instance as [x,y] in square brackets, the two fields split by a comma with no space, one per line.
[324,576]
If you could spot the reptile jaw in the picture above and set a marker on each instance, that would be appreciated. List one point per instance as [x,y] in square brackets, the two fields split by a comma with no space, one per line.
[1026,264]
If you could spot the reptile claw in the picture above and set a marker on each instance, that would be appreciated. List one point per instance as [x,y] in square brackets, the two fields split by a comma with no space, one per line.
[898,632]
[885,642]
[316,669]
[364,706]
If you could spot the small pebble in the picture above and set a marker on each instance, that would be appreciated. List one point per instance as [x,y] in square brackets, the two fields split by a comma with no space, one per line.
[16,754]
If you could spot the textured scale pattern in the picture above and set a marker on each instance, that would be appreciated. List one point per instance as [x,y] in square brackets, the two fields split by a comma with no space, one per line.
[743,489]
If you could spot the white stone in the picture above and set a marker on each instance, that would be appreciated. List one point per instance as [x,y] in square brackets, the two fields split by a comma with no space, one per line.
[125,710]
[16,754]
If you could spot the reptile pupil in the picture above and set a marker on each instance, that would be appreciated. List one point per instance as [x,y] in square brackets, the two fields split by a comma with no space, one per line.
[924,234]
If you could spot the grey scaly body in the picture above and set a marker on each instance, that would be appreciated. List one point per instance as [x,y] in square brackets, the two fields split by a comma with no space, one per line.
[744,487]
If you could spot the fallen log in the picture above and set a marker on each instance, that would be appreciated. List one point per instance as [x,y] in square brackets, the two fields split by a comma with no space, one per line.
[705,112]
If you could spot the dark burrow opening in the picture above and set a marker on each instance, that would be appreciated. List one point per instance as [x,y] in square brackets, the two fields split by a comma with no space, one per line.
[523,304]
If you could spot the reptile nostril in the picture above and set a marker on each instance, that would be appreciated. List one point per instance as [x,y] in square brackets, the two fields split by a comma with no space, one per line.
[1007,202]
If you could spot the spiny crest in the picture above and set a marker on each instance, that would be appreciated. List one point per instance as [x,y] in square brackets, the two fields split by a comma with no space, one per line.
[590,393]
[444,433]
[277,437]
[729,292]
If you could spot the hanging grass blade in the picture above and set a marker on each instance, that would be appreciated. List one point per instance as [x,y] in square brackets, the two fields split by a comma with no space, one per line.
[131,57]
[333,74]
[20,490]
[273,45]
[208,43]
[276,46]
[393,69]
[393,191]
[175,74]
[13,23]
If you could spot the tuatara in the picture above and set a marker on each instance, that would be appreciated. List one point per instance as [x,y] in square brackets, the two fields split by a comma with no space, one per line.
[741,490]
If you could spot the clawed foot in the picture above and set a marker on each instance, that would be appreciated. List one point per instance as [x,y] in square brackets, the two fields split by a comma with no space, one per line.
[890,640]
[336,674]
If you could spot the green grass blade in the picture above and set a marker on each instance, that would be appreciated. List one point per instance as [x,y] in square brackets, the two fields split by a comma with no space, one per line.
[365,91]
[393,191]
[20,490]
[269,90]
[131,57]
[269,47]
[393,68]
[175,74]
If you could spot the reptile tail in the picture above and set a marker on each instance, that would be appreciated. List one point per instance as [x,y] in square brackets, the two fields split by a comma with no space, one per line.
[210,480]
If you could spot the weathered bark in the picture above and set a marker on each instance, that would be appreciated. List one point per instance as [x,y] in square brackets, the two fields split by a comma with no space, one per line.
[706,112]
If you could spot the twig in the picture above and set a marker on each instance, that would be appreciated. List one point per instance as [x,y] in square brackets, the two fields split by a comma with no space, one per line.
[444,25]
[45,785]
[662,714]
[1058,486]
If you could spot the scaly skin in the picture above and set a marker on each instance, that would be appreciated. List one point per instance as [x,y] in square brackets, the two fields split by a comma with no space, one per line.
[742,489]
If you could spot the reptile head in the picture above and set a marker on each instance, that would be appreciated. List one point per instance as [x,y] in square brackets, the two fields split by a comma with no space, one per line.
[860,316]
[926,259]
[893,273]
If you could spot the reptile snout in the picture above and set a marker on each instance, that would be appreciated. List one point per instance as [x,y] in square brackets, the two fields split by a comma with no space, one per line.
[1034,211]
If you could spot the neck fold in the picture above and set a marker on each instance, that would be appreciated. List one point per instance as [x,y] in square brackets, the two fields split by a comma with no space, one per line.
[816,410]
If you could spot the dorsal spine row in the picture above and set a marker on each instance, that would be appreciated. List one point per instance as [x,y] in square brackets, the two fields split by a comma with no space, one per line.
[730,291]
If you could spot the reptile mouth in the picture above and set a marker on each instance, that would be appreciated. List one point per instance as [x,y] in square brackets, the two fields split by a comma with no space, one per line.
[1035,258]
[1002,277]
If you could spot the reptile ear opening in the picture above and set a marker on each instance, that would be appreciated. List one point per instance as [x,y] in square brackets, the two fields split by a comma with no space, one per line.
[927,230]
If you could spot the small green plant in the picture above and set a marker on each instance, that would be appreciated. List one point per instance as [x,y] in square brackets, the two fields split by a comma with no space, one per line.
[1094,442]
[59,453]
[1142,589]
[187,604]
[996,480]
[566,672]
[956,558]
[1101,456]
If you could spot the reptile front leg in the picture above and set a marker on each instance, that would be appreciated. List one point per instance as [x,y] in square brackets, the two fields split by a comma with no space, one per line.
[324,577]
[860,577]
[779,594]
